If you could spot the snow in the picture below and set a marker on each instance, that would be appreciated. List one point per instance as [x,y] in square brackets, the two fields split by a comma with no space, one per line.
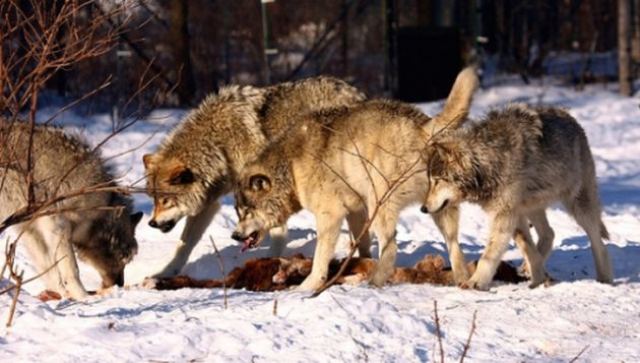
[514,323]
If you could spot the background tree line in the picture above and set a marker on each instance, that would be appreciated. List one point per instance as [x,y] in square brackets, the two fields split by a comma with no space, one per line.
[190,48]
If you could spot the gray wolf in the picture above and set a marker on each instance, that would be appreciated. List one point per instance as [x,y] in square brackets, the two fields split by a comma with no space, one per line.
[365,157]
[200,160]
[515,164]
[98,226]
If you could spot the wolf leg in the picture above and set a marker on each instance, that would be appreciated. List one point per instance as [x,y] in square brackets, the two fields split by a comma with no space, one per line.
[56,233]
[328,225]
[544,231]
[356,222]
[384,226]
[585,208]
[278,239]
[41,258]
[193,231]
[447,223]
[502,227]
[532,257]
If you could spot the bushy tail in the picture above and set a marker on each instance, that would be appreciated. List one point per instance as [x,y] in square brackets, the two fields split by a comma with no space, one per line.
[456,108]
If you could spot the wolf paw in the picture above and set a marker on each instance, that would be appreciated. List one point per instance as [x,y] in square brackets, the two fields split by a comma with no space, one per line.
[311,283]
[378,279]
[524,271]
[473,284]
[149,283]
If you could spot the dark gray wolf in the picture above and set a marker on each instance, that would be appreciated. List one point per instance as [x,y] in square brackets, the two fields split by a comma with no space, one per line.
[515,163]
[98,226]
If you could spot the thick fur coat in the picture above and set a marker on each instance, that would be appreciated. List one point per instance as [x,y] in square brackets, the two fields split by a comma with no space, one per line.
[515,163]
[200,160]
[98,226]
[333,162]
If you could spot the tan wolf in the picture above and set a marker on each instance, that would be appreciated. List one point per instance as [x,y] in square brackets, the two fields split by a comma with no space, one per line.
[515,164]
[98,226]
[366,157]
[200,160]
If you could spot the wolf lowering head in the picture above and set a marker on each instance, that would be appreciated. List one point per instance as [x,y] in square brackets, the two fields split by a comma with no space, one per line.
[179,190]
[449,173]
[98,226]
[112,243]
[265,198]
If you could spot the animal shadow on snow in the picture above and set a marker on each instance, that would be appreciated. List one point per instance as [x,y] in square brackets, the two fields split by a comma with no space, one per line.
[570,260]
[575,261]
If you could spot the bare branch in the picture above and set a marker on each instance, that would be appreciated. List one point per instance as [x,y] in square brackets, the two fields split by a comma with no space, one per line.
[575,359]
[438,331]
[467,344]
[221,265]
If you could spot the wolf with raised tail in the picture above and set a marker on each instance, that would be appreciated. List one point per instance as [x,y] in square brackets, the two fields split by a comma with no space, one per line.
[333,162]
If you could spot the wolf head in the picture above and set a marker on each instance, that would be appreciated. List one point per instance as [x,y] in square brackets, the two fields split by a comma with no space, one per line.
[178,188]
[446,169]
[111,245]
[265,198]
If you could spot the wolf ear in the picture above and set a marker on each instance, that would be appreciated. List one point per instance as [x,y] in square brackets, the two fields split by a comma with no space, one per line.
[436,159]
[147,159]
[259,183]
[135,218]
[181,176]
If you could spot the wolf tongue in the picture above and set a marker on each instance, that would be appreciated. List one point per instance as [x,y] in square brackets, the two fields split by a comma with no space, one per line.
[246,244]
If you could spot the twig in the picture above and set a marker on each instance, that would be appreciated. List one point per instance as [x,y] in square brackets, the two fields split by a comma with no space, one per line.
[438,331]
[14,302]
[224,275]
[575,359]
[465,349]
[34,277]
[275,305]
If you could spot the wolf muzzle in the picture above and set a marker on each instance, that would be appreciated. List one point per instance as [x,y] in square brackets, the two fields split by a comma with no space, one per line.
[164,226]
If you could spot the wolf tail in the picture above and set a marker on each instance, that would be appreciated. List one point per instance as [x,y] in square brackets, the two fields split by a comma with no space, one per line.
[456,108]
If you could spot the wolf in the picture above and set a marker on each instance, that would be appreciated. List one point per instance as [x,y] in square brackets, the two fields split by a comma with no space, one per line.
[98,226]
[199,161]
[333,162]
[514,164]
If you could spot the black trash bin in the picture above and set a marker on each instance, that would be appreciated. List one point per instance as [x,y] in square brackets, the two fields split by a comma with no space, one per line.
[429,58]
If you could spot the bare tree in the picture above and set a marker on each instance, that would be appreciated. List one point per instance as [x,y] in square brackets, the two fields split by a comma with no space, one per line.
[180,45]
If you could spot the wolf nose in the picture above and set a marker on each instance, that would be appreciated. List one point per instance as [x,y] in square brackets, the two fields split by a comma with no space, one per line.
[153,223]
[237,236]
[424,209]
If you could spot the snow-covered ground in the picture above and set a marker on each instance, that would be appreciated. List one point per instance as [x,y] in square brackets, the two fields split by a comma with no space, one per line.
[396,323]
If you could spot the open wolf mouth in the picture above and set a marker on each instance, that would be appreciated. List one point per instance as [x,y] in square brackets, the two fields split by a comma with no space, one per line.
[251,241]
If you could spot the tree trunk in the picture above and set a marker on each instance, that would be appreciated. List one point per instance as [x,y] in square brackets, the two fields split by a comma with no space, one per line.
[181,51]
[635,39]
[345,40]
[423,10]
[624,59]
